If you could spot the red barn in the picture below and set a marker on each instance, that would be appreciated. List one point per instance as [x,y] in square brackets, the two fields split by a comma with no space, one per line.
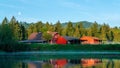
[90,40]
[61,40]
[57,39]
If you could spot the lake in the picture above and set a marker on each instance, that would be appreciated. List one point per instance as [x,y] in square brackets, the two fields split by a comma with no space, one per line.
[59,60]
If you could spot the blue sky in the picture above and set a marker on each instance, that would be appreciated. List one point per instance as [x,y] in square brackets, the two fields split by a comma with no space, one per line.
[102,11]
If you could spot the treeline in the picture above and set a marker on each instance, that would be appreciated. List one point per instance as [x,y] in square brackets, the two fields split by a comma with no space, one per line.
[21,30]
[10,33]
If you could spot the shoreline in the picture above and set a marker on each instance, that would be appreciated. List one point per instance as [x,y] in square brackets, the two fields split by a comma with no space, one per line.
[62,52]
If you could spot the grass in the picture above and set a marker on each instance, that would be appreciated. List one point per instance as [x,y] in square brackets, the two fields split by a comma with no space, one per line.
[54,47]
[75,47]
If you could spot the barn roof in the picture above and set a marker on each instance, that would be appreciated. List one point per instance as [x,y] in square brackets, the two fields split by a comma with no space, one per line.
[70,38]
[35,36]
[33,41]
[89,37]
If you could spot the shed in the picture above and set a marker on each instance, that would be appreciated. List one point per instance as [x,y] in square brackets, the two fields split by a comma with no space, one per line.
[90,40]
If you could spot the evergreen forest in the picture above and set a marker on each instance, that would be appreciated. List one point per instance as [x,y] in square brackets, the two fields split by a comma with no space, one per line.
[15,30]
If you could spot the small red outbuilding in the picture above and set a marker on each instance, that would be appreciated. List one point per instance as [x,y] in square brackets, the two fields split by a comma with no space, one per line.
[61,40]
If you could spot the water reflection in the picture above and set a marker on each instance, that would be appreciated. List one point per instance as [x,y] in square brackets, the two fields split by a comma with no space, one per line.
[90,62]
[72,63]
[53,61]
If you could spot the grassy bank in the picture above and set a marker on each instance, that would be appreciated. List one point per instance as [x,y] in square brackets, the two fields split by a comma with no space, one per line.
[50,47]
[69,47]
[14,47]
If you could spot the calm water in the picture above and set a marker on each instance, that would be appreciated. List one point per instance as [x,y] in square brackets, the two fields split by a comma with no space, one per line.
[54,60]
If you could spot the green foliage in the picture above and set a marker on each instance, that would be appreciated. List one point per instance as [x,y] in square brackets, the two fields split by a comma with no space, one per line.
[103,30]
[17,29]
[81,29]
[70,47]
[94,29]
[21,30]
[47,36]
[30,29]
[22,33]
[116,32]
[58,27]
[110,36]
[64,32]
[8,41]
[6,36]
[70,29]
[77,31]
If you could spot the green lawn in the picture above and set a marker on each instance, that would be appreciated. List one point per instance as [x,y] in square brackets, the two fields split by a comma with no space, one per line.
[75,47]
[55,47]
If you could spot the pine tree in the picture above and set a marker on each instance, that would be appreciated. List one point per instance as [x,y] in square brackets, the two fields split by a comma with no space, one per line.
[103,30]
[23,33]
[46,27]
[30,29]
[6,35]
[5,21]
[94,29]
[77,32]
[110,36]
[70,29]
[81,29]
[58,27]
[64,32]
[16,29]
[35,28]
[39,26]
[116,32]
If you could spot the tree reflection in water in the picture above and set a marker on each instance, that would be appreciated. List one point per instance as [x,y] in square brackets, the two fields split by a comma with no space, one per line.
[17,62]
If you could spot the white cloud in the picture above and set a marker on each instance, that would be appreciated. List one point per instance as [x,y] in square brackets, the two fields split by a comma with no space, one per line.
[19,13]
